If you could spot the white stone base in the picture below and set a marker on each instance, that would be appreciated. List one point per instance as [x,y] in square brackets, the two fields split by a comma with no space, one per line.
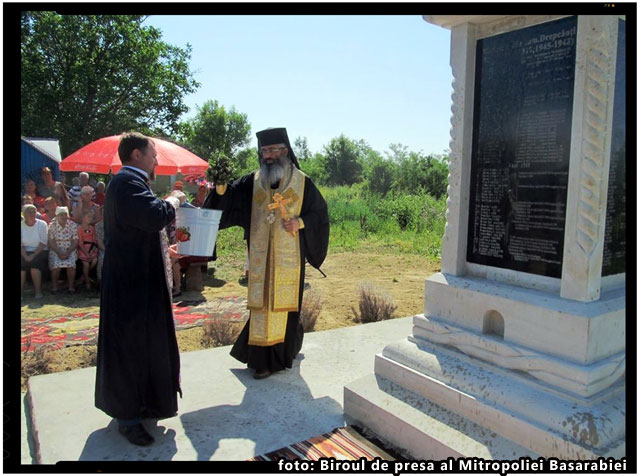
[572,379]
[542,322]
[498,371]
[436,402]
[415,425]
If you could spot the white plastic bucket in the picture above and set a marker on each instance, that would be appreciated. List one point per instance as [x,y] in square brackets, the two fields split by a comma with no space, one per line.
[197,230]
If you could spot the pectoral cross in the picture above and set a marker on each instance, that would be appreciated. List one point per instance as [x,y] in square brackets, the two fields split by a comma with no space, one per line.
[279,202]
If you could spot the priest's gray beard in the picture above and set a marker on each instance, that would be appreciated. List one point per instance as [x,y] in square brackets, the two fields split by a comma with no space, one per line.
[272,174]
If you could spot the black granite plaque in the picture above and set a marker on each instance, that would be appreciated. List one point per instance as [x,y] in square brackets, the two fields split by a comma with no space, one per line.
[520,148]
[615,237]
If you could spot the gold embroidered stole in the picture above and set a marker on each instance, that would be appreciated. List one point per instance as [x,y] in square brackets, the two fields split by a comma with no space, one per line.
[274,262]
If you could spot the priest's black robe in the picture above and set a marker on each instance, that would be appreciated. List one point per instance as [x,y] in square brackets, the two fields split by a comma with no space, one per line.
[138,364]
[314,242]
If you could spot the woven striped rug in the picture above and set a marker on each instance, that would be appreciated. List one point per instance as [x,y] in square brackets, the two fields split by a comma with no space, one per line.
[82,328]
[341,444]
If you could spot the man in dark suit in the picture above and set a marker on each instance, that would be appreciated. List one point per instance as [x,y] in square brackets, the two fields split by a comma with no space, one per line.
[138,361]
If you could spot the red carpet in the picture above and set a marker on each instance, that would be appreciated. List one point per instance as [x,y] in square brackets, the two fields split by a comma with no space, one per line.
[82,328]
[341,444]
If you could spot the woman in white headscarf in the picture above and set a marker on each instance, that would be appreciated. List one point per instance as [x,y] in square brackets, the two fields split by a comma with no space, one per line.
[33,249]
[63,239]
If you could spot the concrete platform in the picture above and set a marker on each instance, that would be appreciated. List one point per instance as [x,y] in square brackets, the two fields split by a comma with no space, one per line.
[225,414]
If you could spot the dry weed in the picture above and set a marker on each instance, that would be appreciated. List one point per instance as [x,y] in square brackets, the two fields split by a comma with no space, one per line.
[36,362]
[374,305]
[311,307]
[219,332]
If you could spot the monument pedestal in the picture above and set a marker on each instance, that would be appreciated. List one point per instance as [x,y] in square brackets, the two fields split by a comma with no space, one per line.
[419,428]
[478,412]
[521,347]
[464,385]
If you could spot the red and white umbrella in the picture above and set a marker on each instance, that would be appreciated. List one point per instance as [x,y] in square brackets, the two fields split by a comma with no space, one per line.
[101,157]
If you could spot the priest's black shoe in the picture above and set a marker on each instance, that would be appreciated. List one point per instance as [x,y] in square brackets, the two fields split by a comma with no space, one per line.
[136,434]
[261,374]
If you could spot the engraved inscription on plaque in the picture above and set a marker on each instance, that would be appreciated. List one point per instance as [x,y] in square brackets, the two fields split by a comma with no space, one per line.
[520,149]
[615,241]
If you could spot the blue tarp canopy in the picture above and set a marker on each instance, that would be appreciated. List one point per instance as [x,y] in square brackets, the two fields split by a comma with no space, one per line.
[38,153]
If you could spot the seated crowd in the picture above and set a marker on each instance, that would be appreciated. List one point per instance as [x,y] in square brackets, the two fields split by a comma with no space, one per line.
[59,231]
[63,229]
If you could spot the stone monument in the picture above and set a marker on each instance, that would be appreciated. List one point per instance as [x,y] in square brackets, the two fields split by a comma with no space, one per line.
[521,347]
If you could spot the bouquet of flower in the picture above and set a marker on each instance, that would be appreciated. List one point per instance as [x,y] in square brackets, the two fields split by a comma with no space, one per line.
[199,180]
[220,171]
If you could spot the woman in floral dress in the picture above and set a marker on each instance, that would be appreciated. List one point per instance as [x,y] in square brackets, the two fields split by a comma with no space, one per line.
[63,239]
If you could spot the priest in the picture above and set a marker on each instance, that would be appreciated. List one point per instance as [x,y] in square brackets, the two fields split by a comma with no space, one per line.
[138,362]
[286,224]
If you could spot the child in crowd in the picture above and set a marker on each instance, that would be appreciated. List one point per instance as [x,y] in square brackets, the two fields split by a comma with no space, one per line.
[87,247]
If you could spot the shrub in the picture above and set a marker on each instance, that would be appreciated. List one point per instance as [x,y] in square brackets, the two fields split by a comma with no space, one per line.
[374,305]
[219,332]
[311,307]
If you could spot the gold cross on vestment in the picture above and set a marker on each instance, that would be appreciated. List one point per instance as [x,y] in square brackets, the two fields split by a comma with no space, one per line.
[279,202]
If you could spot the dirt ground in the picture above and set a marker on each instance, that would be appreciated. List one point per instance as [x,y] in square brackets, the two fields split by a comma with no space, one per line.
[402,277]
[399,276]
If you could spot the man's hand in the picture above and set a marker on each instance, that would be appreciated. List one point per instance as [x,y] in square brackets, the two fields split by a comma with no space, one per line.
[292,225]
[179,195]
[173,252]
[28,258]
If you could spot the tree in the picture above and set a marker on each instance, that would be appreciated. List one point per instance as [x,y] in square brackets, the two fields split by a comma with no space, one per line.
[246,161]
[418,171]
[301,148]
[343,161]
[214,130]
[315,168]
[364,149]
[437,176]
[380,173]
[399,153]
[88,76]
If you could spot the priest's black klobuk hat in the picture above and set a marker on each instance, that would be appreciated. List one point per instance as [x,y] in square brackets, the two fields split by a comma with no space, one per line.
[276,135]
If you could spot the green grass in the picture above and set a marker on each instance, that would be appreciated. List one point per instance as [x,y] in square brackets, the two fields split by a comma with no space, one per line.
[400,223]
[231,249]
[407,224]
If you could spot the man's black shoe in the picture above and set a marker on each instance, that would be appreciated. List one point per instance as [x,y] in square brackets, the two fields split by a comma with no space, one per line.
[136,434]
[262,374]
